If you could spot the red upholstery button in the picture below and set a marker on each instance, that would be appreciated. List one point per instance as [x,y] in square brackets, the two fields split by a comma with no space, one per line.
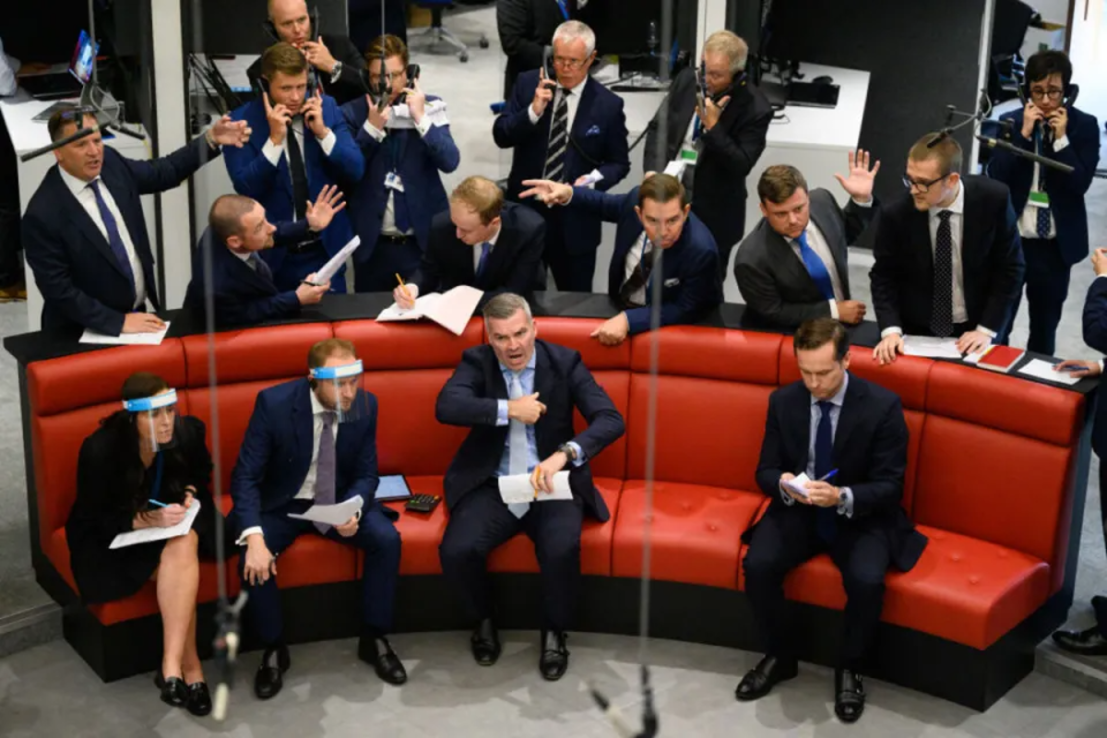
[686,506]
[955,557]
[974,579]
[712,527]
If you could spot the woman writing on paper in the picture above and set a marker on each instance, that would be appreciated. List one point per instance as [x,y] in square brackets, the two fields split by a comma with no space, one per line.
[144,468]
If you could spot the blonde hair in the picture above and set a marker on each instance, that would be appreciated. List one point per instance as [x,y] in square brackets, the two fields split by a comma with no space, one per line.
[731,44]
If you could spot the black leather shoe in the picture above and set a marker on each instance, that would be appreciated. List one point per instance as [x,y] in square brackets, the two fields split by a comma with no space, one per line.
[199,699]
[379,654]
[849,699]
[269,678]
[485,643]
[555,657]
[1088,642]
[173,690]
[759,680]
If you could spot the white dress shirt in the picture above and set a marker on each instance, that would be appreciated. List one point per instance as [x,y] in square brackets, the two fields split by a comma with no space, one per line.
[817,242]
[9,66]
[637,252]
[273,153]
[845,503]
[477,248]
[87,198]
[573,102]
[1028,220]
[307,490]
[388,222]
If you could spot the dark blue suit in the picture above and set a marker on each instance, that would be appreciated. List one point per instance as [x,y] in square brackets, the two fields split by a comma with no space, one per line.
[1048,261]
[479,521]
[272,464]
[81,280]
[689,270]
[1095,335]
[418,160]
[241,296]
[253,176]
[597,140]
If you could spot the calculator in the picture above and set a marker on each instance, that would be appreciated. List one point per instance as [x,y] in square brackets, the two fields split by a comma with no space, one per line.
[423,503]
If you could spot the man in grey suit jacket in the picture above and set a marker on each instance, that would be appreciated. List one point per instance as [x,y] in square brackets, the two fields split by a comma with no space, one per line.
[793,266]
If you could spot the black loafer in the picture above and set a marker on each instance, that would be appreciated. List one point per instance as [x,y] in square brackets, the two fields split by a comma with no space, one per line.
[555,656]
[378,653]
[270,675]
[760,680]
[199,699]
[173,690]
[1088,642]
[849,699]
[485,643]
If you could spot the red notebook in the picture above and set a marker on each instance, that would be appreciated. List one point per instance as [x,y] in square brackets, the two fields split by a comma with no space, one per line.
[1001,358]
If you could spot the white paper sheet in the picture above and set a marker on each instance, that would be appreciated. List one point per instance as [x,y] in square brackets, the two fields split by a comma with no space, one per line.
[934,348]
[517,488]
[147,535]
[125,339]
[1044,370]
[799,484]
[331,514]
[451,310]
[335,263]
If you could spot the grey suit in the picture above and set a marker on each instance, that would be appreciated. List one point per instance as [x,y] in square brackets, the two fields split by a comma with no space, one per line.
[775,282]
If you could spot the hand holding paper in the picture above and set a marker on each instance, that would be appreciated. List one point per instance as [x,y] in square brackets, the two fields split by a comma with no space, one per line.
[335,515]
[331,267]
[520,488]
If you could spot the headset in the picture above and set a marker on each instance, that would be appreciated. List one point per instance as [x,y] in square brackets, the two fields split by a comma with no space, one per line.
[314,82]
[702,94]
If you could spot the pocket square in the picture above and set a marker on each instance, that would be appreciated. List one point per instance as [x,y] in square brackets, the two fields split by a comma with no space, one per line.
[671,282]
[593,131]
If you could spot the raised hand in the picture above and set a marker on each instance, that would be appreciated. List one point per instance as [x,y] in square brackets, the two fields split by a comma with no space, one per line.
[543,94]
[313,116]
[416,102]
[378,118]
[859,184]
[319,56]
[547,191]
[712,111]
[227,132]
[326,206]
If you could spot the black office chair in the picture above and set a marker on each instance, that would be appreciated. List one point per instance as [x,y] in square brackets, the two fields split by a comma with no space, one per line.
[439,33]
[1007,67]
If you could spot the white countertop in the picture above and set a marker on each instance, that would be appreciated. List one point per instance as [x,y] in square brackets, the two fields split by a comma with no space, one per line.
[28,134]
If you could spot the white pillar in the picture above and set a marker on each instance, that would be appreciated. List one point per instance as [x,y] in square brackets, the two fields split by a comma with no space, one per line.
[172,133]
[710,17]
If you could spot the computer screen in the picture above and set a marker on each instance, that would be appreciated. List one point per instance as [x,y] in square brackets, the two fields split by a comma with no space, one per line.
[84,56]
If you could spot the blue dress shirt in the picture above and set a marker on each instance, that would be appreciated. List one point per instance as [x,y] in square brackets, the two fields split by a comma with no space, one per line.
[526,379]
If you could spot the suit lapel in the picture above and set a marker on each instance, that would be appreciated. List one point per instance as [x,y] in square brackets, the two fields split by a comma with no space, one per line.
[797,270]
[85,224]
[544,386]
[972,232]
[582,122]
[849,416]
[834,236]
[303,423]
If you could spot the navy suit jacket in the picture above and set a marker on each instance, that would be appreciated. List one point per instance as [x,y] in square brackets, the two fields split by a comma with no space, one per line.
[598,140]
[870,454]
[1095,335]
[690,268]
[276,452]
[417,159]
[513,266]
[471,399]
[241,296]
[253,176]
[82,282]
[1066,191]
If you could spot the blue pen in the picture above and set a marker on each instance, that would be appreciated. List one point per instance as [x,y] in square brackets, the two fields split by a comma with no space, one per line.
[827,476]
[159,504]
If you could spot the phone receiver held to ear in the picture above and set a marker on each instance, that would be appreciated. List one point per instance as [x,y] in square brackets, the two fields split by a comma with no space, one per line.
[548,68]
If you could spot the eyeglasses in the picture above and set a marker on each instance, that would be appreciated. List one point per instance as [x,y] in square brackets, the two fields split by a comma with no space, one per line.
[1053,93]
[568,63]
[922,187]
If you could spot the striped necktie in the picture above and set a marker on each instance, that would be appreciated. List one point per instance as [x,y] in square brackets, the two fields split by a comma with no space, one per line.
[559,139]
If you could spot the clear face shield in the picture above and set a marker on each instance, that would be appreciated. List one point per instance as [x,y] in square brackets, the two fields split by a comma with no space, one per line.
[338,389]
[156,420]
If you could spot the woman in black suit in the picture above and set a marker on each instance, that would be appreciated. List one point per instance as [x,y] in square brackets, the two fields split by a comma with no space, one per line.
[143,468]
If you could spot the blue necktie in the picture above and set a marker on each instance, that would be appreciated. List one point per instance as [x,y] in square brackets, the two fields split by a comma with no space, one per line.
[815,267]
[826,523]
[485,250]
[1043,213]
[115,241]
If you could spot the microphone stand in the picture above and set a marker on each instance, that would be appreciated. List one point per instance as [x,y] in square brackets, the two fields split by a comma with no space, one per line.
[650,723]
[992,143]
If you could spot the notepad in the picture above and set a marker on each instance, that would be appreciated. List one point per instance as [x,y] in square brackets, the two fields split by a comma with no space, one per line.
[451,310]
[1044,370]
[125,339]
[798,484]
[930,347]
[517,488]
[328,270]
[338,514]
[149,535]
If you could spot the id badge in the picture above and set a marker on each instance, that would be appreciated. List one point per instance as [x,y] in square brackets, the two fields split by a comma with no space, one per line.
[1038,199]
[392,181]
[689,156]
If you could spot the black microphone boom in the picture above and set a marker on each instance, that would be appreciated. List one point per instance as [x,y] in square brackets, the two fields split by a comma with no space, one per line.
[998,143]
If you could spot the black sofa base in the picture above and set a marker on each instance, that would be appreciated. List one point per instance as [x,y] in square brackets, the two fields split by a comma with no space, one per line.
[935,666]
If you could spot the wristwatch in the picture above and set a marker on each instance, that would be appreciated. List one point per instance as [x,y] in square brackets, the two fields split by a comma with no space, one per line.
[568,450]
[336,72]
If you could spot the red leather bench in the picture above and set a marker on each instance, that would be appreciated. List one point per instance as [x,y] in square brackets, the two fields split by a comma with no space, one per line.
[990,478]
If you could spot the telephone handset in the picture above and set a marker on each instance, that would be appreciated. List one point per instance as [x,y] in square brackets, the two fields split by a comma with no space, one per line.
[548,68]
[413,72]
[313,16]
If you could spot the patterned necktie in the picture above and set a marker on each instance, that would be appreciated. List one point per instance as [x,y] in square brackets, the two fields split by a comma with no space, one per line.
[826,520]
[517,448]
[1044,220]
[816,268]
[324,468]
[299,174]
[941,311]
[559,140]
[261,267]
[115,240]
[639,278]
[485,250]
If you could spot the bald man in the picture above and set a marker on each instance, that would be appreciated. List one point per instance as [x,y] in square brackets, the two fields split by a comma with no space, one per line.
[335,59]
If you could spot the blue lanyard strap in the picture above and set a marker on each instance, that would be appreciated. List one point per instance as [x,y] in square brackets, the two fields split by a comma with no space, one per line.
[564,9]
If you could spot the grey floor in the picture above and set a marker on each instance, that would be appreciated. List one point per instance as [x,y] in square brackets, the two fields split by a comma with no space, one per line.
[48,690]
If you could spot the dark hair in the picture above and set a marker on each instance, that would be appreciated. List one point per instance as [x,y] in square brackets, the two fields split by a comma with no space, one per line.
[946,150]
[390,46]
[1048,62]
[662,188]
[779,182]
[62,118]
[284,58]
[818,332]
[227,212]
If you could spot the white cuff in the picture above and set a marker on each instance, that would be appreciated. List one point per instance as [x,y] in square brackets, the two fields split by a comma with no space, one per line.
[246,534]
[272,152]
[890,330]
[833,309]
[860,204]
[1061,143]
[327,142]
[534,117]
[986,332]
[592,179]
[1101,366]
[424,125]
[373,131]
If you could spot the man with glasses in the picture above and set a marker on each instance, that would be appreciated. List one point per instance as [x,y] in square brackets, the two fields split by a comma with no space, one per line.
[570,130]
[1053,221]
[948,262]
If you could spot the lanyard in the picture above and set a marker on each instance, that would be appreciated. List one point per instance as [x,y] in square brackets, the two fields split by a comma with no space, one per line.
[564,9]
[156,489]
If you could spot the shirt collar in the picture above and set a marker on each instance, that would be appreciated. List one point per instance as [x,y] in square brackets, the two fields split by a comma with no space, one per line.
[246,257]
[76,186]
[530,364]
[957,207]
[317,408]
[839,396]
[496,236]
